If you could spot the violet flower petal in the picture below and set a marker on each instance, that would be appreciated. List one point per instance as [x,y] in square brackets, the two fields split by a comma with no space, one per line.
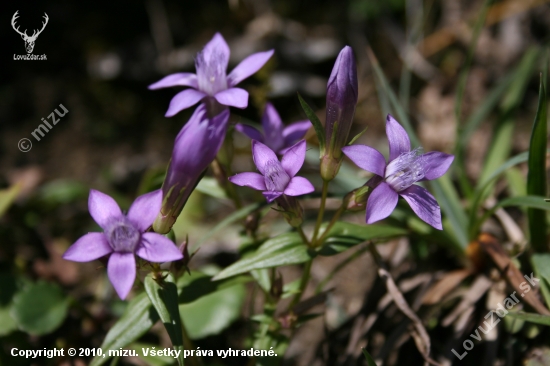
[216,51]
[366,158]
[295,132]
[178,79]
[299,186]
[89,247]
[273,127]
[294,157]
[262,155]
[271,196]
[249,131]
[233,97]
[397,137]
[122,272]
[424,205]
[249,179]
[248,66]
[145,209]
[157,248]
[381,203]
[436,164]
[183,100]
[102,207]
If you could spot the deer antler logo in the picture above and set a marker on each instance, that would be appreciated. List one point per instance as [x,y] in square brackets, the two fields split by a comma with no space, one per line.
[29,40]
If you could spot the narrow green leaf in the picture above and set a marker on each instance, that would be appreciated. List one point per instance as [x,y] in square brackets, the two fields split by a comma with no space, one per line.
[317,125]
[163,293]
[357,136]
[368,357]
[234,217]
[541,265]
[344,235]
[137,319]
[531,317]
[536,175]
[283,250]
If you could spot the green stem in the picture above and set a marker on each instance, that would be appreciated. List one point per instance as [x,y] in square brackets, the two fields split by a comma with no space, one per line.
[303,235]
[321,211]
[188,344]
[335,218]
[303,284]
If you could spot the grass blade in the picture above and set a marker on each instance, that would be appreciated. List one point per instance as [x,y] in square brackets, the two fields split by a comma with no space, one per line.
[536,175]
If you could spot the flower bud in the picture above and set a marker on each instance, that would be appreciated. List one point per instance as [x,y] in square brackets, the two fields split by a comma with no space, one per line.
[291,210]
[341,101]
[195,148]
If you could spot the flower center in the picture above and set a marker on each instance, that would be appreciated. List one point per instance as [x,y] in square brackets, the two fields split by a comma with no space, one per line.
[211,73]
[405,170]
[123,236]
[276,179]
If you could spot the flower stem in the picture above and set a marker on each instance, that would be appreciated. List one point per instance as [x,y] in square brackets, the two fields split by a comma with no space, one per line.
[303,284]
[335,218]
[321,211]
[303,235]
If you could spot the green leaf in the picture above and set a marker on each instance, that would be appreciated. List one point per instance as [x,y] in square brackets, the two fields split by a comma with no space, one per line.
[344,235]
[211,314]
[7,196]
[283,250]
[536,175]
[357,136]
[541,265]
[531,317]
[317,125]
[210,187]
[137,319]
[163,293]
[8,322]
[42,317]
[62,191]
[368,357]
[196,285]
[235,216]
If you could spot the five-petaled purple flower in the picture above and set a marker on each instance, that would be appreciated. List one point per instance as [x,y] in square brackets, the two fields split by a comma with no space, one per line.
[276,136]
[211,80]
[276,178]
[396,178]
[122,237]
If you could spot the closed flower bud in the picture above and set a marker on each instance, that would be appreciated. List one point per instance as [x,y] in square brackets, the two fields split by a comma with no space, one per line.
[195,148]
[341,101]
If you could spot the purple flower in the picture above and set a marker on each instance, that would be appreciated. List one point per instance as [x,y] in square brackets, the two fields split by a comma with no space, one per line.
[122,237]
[211,81]
[277,137]
[195,148]
[395,178]
[341,101]
[276,178]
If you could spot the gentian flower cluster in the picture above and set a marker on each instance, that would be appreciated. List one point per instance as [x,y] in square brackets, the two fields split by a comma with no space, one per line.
[397,177]
[277,137]
[123,237]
